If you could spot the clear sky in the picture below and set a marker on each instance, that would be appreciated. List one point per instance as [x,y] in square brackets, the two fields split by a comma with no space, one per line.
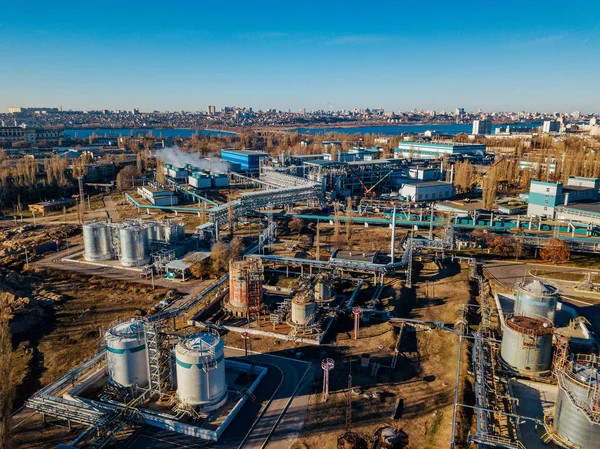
[399,55]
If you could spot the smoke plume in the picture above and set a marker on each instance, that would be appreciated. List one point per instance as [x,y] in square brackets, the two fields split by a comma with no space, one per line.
[178,158]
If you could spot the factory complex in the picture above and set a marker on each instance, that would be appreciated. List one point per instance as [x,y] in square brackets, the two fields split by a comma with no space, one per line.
[300,266]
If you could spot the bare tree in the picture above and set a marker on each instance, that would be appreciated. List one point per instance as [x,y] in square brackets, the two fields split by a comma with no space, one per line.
[7,374]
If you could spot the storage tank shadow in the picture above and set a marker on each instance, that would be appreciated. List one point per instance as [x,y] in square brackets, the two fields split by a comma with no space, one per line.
[527,344]
[536,299]
[200,367]
[127,354]
[97,241]
[575,421]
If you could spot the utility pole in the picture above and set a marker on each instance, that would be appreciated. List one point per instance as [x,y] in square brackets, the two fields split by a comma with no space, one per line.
[348,425]
[318,244]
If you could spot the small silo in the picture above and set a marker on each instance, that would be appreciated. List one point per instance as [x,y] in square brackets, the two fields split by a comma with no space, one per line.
[97,241]
[527,343]
[127,354]
[323,289]
[536,299]
[200,360]
[304,308]
[577,409]
[135,247]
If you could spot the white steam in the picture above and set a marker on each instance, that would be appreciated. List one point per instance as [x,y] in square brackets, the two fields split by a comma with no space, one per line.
[178,158]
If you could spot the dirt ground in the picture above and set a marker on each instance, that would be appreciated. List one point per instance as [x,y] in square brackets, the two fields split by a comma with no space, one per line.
[62,319]
[424,377]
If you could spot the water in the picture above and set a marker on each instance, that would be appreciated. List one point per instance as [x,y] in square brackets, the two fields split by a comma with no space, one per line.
[166,132]
[396,130]
[390,130]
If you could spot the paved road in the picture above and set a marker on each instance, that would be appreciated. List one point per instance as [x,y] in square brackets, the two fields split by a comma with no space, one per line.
[510,272]
[274,407]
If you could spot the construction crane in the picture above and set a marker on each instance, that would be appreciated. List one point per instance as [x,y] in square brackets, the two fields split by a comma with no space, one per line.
[368,190]
[481,175]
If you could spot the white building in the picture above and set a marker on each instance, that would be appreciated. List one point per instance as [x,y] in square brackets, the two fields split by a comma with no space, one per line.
[482,127]
[427,191]
[550,126]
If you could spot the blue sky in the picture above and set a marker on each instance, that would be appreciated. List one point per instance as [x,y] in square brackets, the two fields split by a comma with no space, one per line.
[185,55]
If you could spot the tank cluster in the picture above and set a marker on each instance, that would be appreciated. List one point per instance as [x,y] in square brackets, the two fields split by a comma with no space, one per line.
[129,241]
[527,335]
[199,364]
[309,294]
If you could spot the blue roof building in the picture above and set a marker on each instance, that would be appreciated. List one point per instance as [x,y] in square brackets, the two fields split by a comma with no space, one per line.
[249,160]
[427,150]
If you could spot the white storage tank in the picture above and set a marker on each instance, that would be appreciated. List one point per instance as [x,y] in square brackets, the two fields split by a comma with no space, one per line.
[97,241]
[200,361]
[127,354]
[323,290]
[135,246]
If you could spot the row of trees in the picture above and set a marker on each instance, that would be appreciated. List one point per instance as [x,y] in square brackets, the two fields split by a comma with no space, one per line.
[554,250]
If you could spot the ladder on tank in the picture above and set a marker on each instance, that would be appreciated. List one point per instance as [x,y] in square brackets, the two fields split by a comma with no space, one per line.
[158,364]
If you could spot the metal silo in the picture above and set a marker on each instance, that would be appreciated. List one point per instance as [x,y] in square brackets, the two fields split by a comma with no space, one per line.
[200,360]
[304,308]
[245,287]
[97,241]
[576,418]
[527,343]
[536,299]
[323,290]
[135,247]
[173,232]
[127,354]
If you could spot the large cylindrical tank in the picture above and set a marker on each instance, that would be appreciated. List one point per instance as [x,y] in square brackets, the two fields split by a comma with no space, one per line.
[135,247]
[536,299]
[200,360]
[577,409]
[527,343]
[245,286]
[97,241]
[127,354]
[304,309]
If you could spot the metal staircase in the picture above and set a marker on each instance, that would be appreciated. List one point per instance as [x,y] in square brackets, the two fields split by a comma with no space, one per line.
[159,369]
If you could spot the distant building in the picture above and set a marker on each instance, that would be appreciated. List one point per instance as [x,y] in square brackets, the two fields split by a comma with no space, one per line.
[12,134]
[15,110]
[550,126]
[427,150]
[482,127]
[48,206]
[212,110]
[459,111]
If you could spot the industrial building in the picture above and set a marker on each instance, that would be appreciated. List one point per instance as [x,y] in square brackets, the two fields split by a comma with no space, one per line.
[547,199]
[49,206]
[426,191]
[157,195]
[249,160]
[426,150]
[551,126]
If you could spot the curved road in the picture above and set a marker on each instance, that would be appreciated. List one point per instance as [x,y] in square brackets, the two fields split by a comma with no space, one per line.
[268,421]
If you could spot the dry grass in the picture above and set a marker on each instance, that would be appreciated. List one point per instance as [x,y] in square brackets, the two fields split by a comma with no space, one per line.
[423,379]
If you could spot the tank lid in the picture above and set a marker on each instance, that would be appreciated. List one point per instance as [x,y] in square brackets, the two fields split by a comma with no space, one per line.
[528,325]
[128,329]
[538,288]
[201,342]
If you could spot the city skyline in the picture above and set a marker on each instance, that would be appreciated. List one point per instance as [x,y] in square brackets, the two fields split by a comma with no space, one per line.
[398,56]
